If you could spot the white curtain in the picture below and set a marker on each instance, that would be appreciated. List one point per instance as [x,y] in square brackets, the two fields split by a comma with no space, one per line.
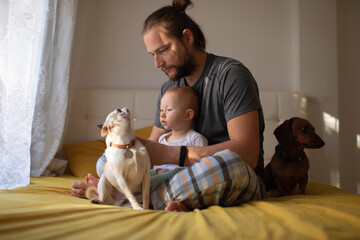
[35,44]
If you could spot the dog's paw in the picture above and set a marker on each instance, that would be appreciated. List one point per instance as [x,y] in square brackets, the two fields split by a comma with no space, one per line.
[96,201]
[138,207]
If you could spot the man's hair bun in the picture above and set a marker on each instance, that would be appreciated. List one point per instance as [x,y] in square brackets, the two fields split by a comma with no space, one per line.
[181,4]
[174,21]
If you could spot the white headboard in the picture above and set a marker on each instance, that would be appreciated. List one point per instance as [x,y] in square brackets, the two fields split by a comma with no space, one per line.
[91,106]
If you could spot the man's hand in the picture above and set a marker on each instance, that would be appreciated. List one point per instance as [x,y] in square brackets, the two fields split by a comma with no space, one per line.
[160,153]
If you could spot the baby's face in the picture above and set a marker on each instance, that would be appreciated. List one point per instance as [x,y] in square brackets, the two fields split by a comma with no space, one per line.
[172,112]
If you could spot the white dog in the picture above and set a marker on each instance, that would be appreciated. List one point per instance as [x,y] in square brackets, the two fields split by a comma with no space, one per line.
[127,169]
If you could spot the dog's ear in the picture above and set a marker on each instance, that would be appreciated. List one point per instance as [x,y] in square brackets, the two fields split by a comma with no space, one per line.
[283,133]
[105,130]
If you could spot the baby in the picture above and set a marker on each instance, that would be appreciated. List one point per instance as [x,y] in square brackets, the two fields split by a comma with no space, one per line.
[178,109]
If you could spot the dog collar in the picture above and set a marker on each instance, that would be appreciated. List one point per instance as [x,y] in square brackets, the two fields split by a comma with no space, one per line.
[289,159]
[125,146]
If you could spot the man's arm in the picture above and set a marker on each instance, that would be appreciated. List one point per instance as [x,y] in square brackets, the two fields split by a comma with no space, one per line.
[244,140]
[159,153]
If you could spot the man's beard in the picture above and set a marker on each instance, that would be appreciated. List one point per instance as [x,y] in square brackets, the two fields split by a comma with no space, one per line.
[186,69]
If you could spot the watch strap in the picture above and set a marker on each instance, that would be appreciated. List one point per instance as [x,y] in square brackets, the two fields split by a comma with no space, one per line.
[182,156]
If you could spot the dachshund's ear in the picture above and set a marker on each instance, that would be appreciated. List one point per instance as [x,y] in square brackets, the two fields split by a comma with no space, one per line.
[283,133]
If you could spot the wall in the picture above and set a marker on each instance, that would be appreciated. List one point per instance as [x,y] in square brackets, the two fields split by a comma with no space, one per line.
[110,51]
[291,45]
[349,97]
[318,78]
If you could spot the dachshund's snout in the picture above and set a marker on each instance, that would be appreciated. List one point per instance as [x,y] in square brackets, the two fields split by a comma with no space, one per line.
[318,143]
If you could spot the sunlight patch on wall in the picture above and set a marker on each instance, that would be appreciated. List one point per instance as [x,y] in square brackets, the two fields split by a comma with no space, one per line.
[331,123]
[303,105]
[358,141]
[335,178]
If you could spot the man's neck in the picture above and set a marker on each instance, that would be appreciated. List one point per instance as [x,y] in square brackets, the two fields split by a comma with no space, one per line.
[200,59]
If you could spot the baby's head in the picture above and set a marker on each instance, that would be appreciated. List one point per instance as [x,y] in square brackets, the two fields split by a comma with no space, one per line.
[178,108]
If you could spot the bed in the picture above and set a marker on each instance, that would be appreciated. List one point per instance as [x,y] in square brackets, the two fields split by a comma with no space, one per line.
[45,210]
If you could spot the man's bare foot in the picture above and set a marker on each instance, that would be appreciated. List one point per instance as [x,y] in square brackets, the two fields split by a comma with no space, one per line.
[176,206]
[79,187]
[91,180]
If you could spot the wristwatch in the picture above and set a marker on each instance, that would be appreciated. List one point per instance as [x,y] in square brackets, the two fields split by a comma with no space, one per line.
[182,156]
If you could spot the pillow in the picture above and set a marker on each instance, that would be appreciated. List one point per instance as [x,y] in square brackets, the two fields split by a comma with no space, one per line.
[143,132]
[82,156]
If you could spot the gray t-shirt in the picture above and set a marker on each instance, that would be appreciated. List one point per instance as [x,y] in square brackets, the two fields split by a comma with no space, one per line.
[226,89]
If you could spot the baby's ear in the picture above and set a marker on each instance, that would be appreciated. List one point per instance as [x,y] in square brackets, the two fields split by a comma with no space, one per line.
[190,114]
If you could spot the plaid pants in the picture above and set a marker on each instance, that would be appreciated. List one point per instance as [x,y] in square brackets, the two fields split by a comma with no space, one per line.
[223,179]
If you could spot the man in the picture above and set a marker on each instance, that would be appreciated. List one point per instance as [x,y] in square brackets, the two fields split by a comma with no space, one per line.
[230,118]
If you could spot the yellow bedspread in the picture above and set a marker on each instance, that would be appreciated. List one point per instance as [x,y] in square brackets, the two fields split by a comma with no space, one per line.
[45,210]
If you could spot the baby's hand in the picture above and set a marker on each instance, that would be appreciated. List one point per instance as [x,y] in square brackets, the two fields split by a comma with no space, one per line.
[161,170]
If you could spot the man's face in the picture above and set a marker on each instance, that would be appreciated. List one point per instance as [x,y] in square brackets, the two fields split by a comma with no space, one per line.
[170,54]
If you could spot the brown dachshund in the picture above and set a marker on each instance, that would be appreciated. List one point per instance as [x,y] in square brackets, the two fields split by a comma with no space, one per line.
[289,165]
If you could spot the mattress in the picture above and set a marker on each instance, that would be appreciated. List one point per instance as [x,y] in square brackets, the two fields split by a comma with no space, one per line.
[46,210]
